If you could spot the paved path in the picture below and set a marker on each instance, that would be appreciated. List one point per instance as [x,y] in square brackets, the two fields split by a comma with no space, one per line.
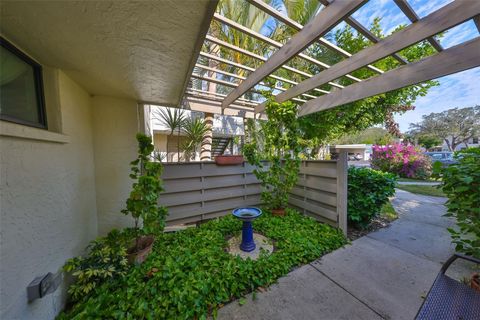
[380,276]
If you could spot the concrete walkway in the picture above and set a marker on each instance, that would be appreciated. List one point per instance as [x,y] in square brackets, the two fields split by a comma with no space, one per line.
[380,276]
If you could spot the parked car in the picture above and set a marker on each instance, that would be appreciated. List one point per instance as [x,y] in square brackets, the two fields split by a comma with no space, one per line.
[446,158]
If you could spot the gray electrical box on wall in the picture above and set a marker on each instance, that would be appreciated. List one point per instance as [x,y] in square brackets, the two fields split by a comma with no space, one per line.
[43,285]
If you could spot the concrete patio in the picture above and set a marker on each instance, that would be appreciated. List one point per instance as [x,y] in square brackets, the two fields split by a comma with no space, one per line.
[384,275]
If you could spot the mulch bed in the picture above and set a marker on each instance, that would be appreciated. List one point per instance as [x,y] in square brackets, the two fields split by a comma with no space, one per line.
[376,224]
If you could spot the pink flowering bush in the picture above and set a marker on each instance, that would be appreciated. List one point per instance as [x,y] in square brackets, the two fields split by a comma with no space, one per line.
[403,159]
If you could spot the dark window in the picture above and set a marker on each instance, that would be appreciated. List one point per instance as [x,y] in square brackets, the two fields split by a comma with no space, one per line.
[475,140]
[21,88]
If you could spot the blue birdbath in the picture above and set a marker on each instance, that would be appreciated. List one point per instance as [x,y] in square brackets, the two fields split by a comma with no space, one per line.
[247,215]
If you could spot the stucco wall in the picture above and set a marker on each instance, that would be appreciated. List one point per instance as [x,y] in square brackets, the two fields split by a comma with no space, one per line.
[115,125]
[48,204]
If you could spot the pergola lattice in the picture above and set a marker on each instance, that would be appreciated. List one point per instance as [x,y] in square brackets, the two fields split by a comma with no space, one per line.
[446,61]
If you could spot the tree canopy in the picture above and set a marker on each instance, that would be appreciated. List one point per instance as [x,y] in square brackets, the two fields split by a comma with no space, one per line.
[454,126]
[373,135]
[354,117]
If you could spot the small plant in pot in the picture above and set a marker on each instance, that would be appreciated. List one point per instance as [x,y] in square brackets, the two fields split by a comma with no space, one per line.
[143,201]
[228,159]
[475,281]
[281,148]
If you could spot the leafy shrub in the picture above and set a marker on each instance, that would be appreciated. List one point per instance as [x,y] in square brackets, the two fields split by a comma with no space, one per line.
[189,274]
[368,191]
[281,150]
[143,200]
[106,259]
[461,184]
[403,160]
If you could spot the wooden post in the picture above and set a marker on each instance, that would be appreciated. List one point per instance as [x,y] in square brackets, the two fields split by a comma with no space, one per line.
[342,191]
[206,148]
[143,118]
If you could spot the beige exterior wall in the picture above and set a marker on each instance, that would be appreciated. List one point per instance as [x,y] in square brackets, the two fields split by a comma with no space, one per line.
[115,125]
[160,142]
[61,190]
[48,205]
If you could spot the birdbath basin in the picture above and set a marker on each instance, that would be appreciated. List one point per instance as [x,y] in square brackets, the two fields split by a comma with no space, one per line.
[247,215]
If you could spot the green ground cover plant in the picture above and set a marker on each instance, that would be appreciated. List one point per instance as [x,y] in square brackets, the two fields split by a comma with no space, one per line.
[189,275]
[461,184]
[368,191]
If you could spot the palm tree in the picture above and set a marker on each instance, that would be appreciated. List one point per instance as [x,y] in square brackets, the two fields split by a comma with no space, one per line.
[195,130]
[173,119]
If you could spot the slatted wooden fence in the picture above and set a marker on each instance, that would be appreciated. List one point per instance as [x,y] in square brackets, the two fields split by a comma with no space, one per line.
[199,191]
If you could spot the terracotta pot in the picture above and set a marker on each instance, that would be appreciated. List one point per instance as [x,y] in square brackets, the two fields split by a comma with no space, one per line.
[228,160]
[278,212]
[145,245]
[475,281]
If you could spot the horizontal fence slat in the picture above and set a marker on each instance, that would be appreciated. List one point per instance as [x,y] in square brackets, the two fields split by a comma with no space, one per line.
[319,196]
[329,214]
[319,171]
[176,199]
[181,185]
[199,191]
[191,170]
[318,183]
[225,206]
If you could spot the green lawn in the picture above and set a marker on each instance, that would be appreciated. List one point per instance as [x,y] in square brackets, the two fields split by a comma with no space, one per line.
[416,180]
[189,275]
[422,189]
[388,212]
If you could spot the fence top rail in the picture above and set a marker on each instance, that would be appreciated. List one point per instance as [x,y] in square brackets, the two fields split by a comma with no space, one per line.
[244,162]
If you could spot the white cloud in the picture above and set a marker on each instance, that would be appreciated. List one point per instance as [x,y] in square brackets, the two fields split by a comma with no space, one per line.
[391,15]
[457,90]
[425,7]
[459,34]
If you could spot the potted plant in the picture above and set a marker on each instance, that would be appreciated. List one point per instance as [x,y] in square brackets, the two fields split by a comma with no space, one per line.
[281,150]
[229,159]
[475,281]
[142,202]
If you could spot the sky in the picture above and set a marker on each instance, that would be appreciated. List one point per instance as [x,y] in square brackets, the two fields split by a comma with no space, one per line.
[457,90]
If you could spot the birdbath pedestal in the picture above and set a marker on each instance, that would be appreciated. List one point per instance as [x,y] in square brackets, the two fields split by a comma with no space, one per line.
[247,215]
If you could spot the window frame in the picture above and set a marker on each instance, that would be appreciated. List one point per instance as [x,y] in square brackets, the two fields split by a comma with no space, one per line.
[38,82]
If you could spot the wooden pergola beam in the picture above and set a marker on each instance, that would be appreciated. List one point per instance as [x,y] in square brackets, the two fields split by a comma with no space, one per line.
[215,80]
[235,85]
[243,78]
[221,95]
[436,22]
[259,57]
[297,26]
[364,31]
[214,106]
[322,23]
[272,42]
[220,59]
[455,59]
[247,68]
[476,20]
[413,17]
[225,73]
